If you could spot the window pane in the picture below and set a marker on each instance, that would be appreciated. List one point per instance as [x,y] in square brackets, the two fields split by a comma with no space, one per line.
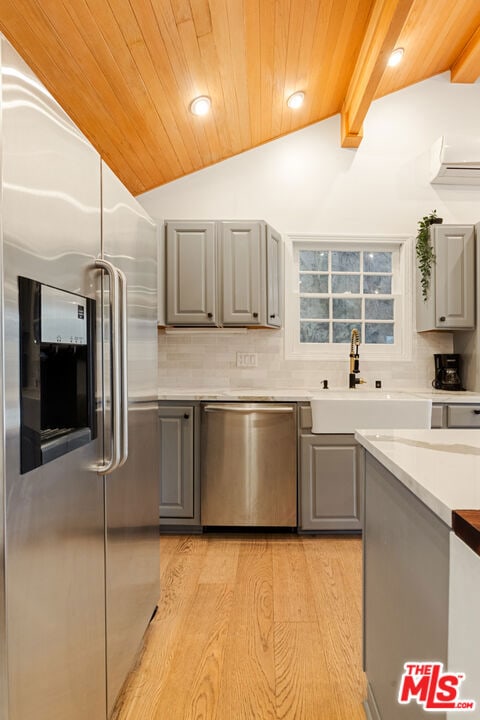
[343,261]
[373,284]
[379,309]
[314,260]
[379,333]
[313,283]
[345,283]
[314,308]
[343,331]
[349,309]
[377,262]
[314,332]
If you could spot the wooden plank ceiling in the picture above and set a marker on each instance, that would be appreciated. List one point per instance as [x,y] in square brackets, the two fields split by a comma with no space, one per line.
[127,70]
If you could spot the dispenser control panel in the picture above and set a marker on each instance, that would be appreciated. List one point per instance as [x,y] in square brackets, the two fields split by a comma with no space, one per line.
[63,317]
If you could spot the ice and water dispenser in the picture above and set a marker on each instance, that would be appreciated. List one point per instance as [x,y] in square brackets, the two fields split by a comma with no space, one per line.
[57,363]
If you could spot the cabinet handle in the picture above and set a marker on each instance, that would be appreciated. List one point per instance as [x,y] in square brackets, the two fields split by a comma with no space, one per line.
[442,319]
[476,412]
[255,315]
[186,416]
[272,316]
[209,315]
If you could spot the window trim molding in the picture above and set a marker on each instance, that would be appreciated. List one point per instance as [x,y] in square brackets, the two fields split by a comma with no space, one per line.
[403,351]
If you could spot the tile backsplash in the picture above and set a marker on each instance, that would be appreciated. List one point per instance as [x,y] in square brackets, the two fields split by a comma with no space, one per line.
[208,359]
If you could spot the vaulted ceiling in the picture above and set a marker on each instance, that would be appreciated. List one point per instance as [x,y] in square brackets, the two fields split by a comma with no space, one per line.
[127,70]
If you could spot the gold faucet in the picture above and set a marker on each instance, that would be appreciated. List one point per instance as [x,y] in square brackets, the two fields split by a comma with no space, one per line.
[354,360]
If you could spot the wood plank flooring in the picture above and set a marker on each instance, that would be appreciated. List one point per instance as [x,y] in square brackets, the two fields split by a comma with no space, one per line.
[252,627]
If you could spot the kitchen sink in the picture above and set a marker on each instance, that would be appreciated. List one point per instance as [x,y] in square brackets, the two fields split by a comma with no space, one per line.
[349,410]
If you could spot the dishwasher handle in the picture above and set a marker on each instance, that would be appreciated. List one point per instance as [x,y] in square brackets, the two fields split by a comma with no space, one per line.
[244,410]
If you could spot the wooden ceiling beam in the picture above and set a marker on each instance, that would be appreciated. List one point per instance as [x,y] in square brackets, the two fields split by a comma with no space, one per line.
[385,25]
[466,68]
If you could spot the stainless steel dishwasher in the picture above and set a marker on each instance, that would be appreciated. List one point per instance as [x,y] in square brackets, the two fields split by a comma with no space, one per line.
[248,464]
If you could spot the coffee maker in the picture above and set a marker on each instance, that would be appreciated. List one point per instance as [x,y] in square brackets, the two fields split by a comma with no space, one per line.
[447,372]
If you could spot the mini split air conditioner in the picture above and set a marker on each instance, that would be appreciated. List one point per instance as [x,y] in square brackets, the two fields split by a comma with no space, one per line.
[455,160]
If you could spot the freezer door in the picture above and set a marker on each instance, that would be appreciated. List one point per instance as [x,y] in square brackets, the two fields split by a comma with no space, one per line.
[132,552]
[55,513]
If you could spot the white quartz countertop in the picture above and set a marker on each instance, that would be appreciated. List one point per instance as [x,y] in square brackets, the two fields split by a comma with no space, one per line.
[441,396]
[306,394]
[282,395]
[441,467]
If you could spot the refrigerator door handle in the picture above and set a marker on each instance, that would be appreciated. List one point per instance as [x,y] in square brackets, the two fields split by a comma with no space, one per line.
[124,365]
[115,380]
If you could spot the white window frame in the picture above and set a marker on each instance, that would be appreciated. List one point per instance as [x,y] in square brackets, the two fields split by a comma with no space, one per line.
[402,290]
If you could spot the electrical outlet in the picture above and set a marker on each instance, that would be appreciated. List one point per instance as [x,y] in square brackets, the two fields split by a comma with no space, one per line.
[246,360]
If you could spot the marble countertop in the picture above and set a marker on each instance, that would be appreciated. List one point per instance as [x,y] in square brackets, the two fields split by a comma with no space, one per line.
[305,395]
[442,396]
[280,395]
[441,467]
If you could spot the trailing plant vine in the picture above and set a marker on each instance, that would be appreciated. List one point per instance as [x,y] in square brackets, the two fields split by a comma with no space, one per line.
[424,250]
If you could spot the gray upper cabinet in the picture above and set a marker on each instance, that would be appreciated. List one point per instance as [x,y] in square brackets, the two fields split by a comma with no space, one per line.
[451,299]
[250,274]
[274,268]
[243,253]
[241,259]
[191,273]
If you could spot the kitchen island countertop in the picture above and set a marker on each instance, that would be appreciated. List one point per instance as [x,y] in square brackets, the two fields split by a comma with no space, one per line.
[441,467]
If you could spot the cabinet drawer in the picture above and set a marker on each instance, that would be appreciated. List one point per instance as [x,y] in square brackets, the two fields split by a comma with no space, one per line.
[463,416]
[438,416]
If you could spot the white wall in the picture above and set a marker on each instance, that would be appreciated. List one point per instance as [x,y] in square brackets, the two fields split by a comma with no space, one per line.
[306,183]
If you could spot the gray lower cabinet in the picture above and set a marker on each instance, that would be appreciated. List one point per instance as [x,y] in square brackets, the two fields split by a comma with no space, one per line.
[405,598]
[179,464]
[466,415]
[331,482]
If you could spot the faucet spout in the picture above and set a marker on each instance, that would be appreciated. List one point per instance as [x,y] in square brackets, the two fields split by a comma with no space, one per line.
[354,360]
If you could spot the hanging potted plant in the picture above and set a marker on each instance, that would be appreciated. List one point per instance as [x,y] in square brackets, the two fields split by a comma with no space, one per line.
[424,250]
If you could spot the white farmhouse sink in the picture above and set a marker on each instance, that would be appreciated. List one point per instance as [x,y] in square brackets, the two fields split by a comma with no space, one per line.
[349,410]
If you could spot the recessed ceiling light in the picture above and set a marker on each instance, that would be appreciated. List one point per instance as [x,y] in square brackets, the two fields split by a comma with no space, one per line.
[295,100]
[201,105]
[395,57]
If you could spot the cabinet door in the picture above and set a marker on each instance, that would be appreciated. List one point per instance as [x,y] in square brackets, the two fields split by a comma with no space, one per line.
[331,483]
[274,245]
[176,462]
[243,273]
[454,276]
[191,273]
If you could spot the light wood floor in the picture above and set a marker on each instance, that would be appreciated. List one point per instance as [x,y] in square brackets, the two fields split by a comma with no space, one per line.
[253,628]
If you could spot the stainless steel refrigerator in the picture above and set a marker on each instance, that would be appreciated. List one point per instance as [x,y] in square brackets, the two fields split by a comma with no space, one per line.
[79,570]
